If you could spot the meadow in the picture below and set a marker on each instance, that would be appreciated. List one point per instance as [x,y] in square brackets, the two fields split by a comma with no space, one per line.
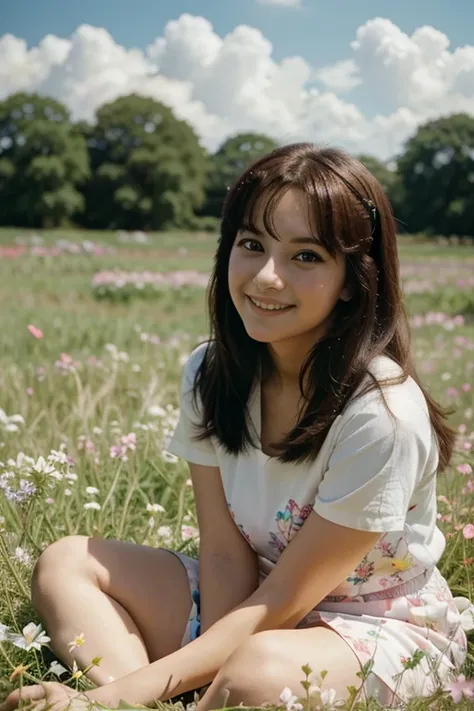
[95,329]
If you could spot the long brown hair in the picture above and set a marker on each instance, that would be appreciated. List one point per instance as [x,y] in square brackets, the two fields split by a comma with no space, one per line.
[342,194]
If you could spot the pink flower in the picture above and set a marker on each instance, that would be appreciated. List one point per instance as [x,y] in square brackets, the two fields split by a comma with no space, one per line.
[129,441]
[459,687]
[116,451]
[468,530]
[466,387]
[35,331]
[464,468]
[29,391]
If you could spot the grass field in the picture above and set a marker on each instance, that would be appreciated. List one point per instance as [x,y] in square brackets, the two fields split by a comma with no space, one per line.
[90,363]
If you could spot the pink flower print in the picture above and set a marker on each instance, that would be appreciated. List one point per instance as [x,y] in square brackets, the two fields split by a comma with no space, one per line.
[361,646]
[363,572]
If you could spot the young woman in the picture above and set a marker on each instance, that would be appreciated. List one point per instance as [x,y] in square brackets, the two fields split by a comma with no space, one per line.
[313,451]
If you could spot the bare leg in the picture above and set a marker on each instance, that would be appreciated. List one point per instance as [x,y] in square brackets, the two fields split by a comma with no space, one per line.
[131,603]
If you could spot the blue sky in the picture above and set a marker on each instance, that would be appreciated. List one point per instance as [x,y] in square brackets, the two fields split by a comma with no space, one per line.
[320,31]
[414,61]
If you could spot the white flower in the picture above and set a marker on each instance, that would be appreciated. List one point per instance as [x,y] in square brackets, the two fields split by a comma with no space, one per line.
[92,490]
[76,642]
[92,505]
[22,556]
[57,668]
[33,637]
[41,466]
[58,457]
[289,700]
[156,508]
[156,411]
[4,632]
[324,700]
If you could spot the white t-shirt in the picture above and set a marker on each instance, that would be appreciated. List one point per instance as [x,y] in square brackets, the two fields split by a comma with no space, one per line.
[370,474]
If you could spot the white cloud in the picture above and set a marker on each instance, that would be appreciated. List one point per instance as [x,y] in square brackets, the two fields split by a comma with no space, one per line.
[341,76]
[281,3]
[231,83]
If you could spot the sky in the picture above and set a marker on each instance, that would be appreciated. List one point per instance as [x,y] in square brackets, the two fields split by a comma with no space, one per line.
[359,75]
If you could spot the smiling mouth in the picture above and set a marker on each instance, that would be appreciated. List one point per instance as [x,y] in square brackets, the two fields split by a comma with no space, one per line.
[269,308]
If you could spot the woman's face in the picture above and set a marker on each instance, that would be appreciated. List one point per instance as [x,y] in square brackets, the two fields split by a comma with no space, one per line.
[295,274]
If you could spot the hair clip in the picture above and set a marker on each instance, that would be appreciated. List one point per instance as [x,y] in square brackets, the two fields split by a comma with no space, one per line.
[372,210]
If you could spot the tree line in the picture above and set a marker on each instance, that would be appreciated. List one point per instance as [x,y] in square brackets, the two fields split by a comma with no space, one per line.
[140,167]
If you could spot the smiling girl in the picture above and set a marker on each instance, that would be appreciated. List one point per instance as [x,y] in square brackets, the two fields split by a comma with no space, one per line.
[313,450]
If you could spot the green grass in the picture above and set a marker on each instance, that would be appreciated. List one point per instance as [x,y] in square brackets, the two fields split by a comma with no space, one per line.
[105,396]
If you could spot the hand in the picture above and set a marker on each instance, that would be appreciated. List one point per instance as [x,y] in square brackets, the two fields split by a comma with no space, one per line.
[51,695]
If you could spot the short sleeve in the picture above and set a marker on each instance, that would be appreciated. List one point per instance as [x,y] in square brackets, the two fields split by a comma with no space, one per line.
[375,466]
[182,442]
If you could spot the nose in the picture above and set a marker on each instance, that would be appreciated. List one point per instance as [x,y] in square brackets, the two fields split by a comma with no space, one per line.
[268,277]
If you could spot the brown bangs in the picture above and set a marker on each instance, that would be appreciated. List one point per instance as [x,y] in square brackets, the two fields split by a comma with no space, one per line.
[338,218]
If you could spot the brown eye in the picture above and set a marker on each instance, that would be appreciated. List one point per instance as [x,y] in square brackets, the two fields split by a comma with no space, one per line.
[312,257]
[244,242]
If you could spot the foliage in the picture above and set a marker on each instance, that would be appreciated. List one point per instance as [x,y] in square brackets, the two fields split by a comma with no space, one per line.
[148,169]
[437,177]
[42,162]
[235,154]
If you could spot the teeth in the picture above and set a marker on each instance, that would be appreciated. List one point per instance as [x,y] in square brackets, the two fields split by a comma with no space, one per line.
[268,307]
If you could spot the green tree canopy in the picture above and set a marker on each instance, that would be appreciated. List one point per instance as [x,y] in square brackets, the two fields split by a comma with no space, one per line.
[148,167]
[42,162]
[235,154]
[437,177]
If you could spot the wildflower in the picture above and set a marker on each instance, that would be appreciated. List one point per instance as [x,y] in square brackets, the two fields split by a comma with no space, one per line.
[156,411]
[32,637]
[92,505]
[4,632]
[156,508]
[10,422]
[468,531]
[92,490]
[324,699]
[78,641]
[22,556]
[289,701]
[19,671]
[464,468]
[129,441]
[460,687]
[76,672]
[118,452]
[57,669]
[29,391]
[188,532]
[35,331]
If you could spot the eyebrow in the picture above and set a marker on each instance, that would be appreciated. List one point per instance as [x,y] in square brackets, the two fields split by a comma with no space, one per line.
[295,240]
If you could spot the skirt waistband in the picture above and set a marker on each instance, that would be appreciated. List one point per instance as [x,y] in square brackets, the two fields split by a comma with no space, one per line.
[406,588]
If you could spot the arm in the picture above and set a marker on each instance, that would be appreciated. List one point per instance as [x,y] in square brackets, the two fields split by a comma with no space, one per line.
[228,567]
[305,573]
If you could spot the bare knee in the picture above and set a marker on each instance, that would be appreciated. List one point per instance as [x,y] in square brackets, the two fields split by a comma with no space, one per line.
[60,562]
[253,671]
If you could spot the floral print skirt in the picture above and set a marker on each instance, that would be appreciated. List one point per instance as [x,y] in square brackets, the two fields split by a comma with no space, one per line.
[413,642]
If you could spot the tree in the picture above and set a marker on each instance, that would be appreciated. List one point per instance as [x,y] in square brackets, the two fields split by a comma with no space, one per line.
[389,180]
[148,167]
[229,162]
[42,162]
[437,176]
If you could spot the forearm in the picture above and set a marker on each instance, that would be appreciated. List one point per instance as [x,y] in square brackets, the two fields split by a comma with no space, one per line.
[224,583]
[194,665]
